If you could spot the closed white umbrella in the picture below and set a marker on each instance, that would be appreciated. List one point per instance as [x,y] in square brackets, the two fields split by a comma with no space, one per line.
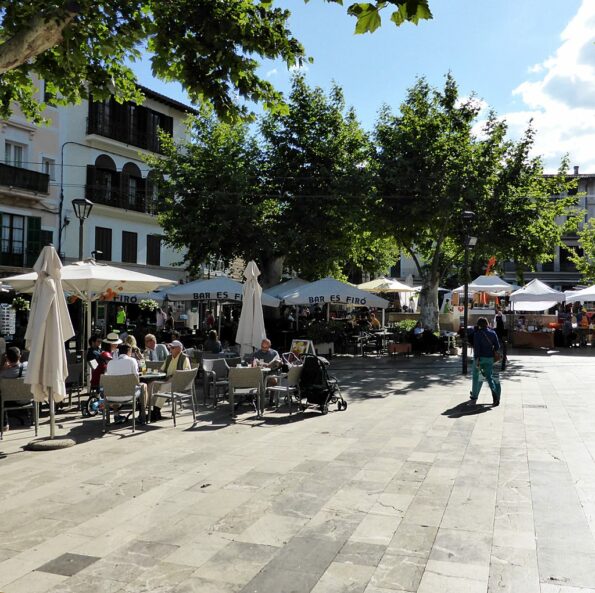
[48,328]
[251,331]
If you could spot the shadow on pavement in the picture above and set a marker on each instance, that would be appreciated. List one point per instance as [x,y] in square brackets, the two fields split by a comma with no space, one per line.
[466,409]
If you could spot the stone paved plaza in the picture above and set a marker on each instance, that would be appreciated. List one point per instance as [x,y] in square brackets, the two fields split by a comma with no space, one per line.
[407,490]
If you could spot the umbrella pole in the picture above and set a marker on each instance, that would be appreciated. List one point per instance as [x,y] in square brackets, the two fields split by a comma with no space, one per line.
[52,414]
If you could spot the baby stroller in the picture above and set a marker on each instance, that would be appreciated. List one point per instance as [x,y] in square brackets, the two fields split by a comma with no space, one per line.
[317,387]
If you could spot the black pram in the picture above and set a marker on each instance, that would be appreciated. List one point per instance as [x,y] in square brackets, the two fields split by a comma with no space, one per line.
[317,387]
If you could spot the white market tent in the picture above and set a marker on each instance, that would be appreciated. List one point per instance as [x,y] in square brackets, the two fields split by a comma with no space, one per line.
[280,290]
[536,296]
[490,284]
[586,294]
[329,290]
[222,289]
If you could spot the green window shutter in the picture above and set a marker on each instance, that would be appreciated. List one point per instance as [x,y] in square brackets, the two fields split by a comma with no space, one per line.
[33,240]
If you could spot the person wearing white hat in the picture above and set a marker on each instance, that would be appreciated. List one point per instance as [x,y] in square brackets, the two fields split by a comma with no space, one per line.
[111,343]
[175,361]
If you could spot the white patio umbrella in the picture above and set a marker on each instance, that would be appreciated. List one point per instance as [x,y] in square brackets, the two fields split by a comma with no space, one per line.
[329,290]
[280,290]
[48,328]
[251,331]
[89,280]
[221,289]
[384,284]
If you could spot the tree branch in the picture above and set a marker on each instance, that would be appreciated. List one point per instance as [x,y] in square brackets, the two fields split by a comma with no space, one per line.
[42,33]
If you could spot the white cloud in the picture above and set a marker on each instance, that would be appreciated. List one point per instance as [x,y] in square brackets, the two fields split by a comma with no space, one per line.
[562,101]
[272,72]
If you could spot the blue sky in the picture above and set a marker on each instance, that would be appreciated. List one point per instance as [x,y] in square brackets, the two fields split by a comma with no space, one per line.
[525,58]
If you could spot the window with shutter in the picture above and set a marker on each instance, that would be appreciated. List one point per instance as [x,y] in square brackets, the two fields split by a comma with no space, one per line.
[153,250]
[129,247]
[103,243]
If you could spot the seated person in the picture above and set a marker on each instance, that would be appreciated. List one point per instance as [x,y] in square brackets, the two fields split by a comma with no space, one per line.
[104,358]
[12,368]
[269,357]
[212,344]
[126,365]
[153,351]
[374,321]
[135,350]
[94,350]
[175,361]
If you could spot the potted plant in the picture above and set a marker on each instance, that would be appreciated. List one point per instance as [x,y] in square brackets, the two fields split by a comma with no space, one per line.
[323,336]
[20,304]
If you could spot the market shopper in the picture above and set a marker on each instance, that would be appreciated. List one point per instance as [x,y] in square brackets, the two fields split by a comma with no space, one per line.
[485,343]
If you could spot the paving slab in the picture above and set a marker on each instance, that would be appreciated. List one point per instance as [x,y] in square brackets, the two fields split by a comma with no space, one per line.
[410,489]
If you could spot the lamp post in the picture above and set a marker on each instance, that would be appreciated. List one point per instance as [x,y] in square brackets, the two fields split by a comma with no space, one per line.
[468,216]
[82,210]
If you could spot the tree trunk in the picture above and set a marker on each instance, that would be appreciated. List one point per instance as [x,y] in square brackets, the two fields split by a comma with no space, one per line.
[428,301]
[271,270]
[42,33]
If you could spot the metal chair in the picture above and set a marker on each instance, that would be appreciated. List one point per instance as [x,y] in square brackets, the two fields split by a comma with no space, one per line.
[290,386]
[182,388]
[120,390]
[74,381]
[16,390]
[215,372]
[250,379]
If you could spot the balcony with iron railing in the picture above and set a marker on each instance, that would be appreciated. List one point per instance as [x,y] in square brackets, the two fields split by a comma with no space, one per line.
[139,202]
[18,177]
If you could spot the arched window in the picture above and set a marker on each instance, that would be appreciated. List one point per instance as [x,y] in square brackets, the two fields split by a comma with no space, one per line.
[133,187]
[103,181]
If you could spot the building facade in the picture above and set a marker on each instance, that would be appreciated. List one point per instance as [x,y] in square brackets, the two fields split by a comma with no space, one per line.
[93,150]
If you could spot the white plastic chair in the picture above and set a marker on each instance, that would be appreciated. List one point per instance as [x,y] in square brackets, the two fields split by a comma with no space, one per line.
[246,379]
[119,390]
[16,390]
[289,387]
[182,388]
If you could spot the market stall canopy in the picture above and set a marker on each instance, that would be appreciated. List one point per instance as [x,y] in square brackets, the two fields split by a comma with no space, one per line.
[88,278]
[329,290]
[220,289]
[580,296]
[490,284]
[384,284]
[280,290]
[536,296]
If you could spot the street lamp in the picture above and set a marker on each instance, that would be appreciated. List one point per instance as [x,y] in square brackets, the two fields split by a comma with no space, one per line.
[82,209]
[468,216]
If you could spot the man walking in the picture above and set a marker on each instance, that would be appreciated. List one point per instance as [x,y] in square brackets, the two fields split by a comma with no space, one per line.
[485,343]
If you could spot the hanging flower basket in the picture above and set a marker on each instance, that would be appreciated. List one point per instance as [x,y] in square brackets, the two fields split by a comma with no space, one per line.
[148,305]
[20,304]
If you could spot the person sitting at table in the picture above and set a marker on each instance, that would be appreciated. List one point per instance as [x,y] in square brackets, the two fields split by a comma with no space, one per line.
[94,350]
[135,350]
[212,344]
[175,361]
[269,358]
[12,368]
[110,344]
[374,321]
[153,351]
[126,365]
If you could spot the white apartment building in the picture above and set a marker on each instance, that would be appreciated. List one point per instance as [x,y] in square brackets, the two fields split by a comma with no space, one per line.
[28,193]
[94,151]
